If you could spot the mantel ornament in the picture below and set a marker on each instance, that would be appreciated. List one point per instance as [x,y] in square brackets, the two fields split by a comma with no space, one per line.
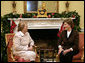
[42,12]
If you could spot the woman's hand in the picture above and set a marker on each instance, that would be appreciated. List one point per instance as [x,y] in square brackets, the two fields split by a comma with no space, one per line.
[30,48]
[66,51]
[60,49]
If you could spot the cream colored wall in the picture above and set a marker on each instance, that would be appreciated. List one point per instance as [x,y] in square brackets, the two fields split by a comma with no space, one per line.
[6,7]
[74,5]
[51,6]
[79,7]
[62,6]
[20,7]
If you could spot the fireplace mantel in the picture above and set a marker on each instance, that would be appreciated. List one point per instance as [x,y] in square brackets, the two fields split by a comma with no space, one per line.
[41,23]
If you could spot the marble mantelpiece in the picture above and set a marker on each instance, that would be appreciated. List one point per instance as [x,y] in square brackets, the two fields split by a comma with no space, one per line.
[40,23]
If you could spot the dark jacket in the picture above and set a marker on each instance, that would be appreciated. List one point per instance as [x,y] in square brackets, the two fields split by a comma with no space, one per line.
[71,42]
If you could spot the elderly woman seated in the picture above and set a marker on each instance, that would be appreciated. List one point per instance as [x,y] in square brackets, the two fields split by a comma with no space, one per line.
[23,43]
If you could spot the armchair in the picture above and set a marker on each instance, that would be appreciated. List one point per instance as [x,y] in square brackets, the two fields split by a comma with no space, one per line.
[11,57]
[80,56]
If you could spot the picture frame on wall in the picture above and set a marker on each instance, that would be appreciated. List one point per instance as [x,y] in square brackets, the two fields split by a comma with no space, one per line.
[33,6]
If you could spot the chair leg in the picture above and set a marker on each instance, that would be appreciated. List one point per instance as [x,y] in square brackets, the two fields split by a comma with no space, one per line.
[37,59]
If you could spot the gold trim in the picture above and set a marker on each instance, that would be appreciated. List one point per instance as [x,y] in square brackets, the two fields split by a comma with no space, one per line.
[57,7]
[31,11]
[7,43]
[12,55]
[67,6]
[81,32]
[6,36]
[25,7]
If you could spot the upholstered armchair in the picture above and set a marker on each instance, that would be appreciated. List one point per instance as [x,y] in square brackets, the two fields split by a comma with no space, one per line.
[80,56]
[11,57]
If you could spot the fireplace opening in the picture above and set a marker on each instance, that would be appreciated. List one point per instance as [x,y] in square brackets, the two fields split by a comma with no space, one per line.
[44,38]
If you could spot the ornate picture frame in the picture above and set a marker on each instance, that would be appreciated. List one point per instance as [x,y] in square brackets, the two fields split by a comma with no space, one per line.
[25,8]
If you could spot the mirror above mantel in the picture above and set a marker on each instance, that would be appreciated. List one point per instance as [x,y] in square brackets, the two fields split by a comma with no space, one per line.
[33,6]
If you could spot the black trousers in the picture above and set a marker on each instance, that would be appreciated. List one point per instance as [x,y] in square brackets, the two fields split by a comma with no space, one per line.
[67,57]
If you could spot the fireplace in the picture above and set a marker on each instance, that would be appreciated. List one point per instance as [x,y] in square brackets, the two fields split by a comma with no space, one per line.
[42,30]
[44,38]
[44,33]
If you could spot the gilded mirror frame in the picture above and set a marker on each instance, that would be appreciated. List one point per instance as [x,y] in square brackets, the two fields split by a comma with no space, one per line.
[25,8]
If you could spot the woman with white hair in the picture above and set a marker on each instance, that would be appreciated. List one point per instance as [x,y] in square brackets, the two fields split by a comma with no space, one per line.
[23,43]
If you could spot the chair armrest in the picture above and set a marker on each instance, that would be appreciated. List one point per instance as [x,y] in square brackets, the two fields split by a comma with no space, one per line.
[12,56]
[57,55]
[82,58]
[35,46]
[35,49]
[57,58]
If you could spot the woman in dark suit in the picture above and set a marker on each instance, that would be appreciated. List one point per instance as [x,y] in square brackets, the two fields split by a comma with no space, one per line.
[68,42]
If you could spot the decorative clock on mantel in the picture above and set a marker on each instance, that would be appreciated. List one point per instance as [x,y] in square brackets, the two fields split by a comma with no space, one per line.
[42,12]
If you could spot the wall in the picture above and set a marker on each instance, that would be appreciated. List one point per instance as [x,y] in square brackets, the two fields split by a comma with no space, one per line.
[74,5]
[79,7]
[6,7]
[20,7]
[51,6]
